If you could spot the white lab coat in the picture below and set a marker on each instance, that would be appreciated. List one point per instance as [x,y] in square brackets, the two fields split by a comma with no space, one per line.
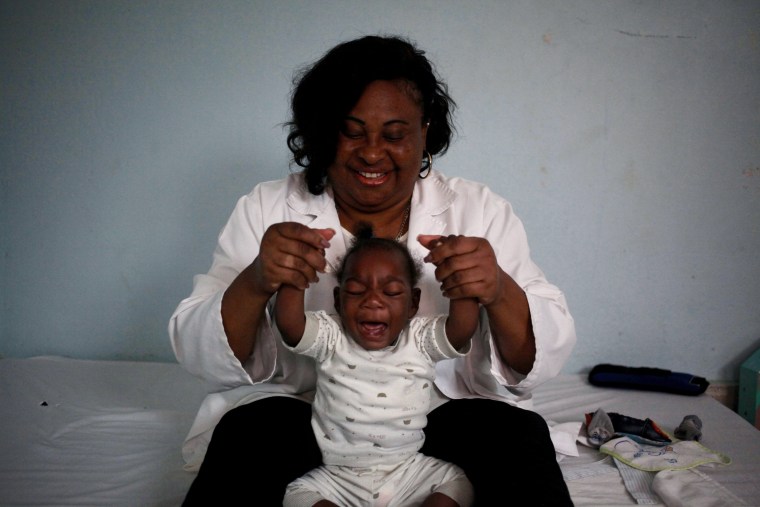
[440,205]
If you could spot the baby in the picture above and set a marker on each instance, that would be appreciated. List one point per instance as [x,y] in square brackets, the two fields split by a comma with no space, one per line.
[375,369]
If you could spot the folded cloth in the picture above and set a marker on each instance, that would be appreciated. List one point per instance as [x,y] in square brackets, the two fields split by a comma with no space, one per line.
[564,436]
[676,488]
[638,483]
[681,455]
[692,488]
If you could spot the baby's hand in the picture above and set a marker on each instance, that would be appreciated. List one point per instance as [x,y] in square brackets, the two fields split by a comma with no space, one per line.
[430,241]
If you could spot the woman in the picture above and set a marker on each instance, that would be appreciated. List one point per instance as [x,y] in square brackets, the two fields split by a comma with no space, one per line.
[367,120]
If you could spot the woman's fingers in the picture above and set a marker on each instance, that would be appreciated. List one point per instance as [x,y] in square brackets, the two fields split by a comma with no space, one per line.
[465,266]
[444,247]
[429,241]
[293,254]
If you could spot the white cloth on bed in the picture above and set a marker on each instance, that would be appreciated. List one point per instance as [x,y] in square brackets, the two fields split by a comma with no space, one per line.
[640,465]
[676,488]
[678,455]
[440,205]
[692,488]
[638,483]
[564,437]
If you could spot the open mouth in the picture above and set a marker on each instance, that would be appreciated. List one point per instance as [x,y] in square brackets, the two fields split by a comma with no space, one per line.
[368,178]
[372,329]
[371,176]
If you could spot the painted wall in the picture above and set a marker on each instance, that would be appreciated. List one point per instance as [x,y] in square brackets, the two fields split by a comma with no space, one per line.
[625,133]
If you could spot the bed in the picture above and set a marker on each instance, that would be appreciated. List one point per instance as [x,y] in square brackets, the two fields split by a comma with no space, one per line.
[79,432]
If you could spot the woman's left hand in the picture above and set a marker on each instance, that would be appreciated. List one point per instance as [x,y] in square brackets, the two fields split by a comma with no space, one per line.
[465,266]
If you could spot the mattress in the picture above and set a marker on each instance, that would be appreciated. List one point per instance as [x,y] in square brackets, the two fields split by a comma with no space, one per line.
[78,432]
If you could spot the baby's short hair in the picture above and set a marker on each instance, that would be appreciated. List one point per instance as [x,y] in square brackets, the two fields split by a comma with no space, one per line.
[366,240]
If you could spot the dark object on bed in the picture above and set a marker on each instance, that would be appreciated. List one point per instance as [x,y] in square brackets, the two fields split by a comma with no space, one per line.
[643,431]
[647,379]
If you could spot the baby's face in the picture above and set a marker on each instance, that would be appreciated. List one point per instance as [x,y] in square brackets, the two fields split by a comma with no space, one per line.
[376,299]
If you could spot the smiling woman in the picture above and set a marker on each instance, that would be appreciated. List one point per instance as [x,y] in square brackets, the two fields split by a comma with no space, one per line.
[326,93]
[377,160]
[367,120]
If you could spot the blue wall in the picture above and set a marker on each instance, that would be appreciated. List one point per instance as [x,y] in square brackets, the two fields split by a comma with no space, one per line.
[626,134]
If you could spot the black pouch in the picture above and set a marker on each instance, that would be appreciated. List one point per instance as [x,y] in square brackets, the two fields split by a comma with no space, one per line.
[647,379]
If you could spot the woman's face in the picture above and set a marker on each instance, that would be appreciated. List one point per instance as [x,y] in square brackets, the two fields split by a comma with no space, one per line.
[379,151]
[375,300]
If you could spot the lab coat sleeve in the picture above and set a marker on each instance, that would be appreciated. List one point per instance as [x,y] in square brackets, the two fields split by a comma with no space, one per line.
[553,325]
[196,330]
[477,211]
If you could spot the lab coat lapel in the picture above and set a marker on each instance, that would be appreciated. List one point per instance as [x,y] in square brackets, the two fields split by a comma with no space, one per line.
[430,201]
[319,212]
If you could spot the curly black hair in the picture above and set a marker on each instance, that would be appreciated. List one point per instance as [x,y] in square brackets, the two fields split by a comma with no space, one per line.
[326,91]
[366,240]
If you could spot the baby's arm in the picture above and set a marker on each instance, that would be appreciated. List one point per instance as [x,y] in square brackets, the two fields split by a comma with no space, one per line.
[462,321]
[289,314]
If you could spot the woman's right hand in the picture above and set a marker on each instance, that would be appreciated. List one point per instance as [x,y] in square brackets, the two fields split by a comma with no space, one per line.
[290,253]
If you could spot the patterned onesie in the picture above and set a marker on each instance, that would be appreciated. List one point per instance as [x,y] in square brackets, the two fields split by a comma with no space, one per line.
[368,416]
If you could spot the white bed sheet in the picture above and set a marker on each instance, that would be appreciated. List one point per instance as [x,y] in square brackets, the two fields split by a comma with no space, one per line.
[76,432]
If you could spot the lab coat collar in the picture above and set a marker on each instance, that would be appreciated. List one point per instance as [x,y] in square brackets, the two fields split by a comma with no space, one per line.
[431,198]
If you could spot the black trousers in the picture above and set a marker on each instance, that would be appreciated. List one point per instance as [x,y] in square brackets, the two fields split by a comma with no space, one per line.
[506,452]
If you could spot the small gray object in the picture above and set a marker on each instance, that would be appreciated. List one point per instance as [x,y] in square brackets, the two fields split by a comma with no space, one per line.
[600,428]
[690,428]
